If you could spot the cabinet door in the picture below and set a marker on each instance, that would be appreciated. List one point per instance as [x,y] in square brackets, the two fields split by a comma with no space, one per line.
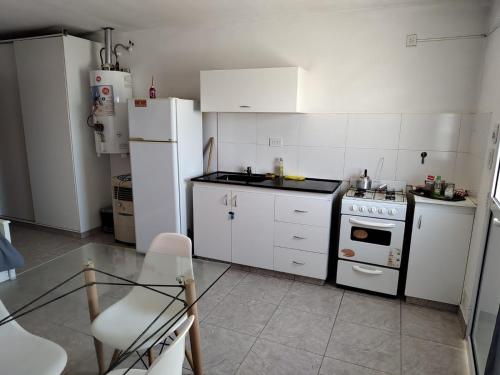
[253,229]
[438,254]
[212,223]
[44,103]
[251,90]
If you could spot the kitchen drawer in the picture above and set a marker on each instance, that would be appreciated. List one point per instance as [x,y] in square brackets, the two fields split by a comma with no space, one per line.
[302,237]
[359,275]
[300,262]
[300,210]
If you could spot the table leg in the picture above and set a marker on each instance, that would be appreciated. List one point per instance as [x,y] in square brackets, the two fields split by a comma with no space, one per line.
[194,332]
[151,356]
[94,310]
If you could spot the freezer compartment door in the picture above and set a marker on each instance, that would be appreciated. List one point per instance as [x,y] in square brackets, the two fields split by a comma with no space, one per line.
[155,190]
[152,119]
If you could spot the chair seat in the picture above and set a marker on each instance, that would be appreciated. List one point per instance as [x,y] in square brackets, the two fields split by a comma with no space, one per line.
[121,324]
[25,354]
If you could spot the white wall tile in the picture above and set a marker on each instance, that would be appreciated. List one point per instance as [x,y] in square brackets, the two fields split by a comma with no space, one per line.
[323,130]
[434,132]
[235,157]
[480,134]
[284,125]
[463,171]
[373,130]
[322,162]
[237,127]
[466,128]
[267,159]
[411,169]
[359,159]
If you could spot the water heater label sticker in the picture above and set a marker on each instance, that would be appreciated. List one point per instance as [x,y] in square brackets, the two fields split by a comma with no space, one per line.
[140,102]
[103,97]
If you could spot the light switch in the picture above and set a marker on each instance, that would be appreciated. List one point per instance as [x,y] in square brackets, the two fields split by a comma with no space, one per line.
[276,142]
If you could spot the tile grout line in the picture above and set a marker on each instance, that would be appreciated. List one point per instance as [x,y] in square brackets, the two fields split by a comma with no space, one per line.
[331,332]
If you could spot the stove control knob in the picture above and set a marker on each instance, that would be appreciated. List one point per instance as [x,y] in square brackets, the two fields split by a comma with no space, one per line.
[372,210]
[362,209]
[393,211]
[354,208]
[381,211]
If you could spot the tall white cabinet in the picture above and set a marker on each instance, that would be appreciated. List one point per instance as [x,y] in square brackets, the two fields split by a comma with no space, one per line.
[69,183]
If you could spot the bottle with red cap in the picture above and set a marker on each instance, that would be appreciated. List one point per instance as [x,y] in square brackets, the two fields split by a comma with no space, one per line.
[152,89]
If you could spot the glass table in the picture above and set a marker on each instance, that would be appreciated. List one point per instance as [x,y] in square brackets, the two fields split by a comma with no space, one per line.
[58,299]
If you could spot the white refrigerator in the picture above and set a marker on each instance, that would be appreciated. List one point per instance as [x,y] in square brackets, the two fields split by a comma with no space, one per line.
[166,151]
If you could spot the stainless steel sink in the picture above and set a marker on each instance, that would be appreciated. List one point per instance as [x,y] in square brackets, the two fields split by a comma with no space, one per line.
[242,178]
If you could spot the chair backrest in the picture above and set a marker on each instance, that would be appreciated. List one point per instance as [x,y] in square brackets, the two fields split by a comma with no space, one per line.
[170,362]
[168,256]
[10,328]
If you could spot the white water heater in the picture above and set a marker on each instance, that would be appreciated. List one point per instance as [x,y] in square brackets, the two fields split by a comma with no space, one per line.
[110,92]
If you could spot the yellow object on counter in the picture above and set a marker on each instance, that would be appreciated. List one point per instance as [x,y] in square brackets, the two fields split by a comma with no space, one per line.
[295,178]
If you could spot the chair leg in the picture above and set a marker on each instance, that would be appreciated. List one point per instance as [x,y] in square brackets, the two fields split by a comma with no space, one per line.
[94,310]
[151,356]
[116,353]
[189,358]
[194,332]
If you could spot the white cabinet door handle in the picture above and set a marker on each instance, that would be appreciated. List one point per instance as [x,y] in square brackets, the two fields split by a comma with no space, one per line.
[225,200]
[299,237]
[496,222]
[367,271]
[235,201]
[300,211]
[298,263]
[371,224]
[419,224]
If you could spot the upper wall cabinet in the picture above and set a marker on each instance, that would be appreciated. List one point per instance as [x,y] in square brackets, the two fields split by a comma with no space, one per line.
[253,90]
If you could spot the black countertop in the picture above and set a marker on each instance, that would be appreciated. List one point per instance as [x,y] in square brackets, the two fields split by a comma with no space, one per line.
[311,185]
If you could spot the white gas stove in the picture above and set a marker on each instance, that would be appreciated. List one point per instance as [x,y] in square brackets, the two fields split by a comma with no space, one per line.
[371,239]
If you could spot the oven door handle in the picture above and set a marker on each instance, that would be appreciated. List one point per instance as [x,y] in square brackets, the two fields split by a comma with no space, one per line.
[371,224]
[364,270]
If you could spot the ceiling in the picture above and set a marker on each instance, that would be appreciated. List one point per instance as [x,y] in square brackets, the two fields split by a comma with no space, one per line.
[22,17]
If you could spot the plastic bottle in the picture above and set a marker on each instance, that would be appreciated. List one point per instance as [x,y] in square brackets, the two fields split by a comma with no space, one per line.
[152,89]
[281,169]
[437,186]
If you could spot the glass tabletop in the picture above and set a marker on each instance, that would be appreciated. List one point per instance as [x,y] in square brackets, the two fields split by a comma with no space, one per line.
[116,271]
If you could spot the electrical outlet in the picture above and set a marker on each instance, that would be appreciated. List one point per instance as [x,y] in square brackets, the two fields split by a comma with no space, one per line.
[411,40]
[276,142]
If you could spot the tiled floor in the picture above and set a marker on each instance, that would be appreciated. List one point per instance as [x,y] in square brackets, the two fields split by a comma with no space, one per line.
[256,324]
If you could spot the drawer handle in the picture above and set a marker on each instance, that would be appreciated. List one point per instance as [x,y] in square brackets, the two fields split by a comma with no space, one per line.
[300,211]
[245,106]
[364,270]
[299,238]
[298,263]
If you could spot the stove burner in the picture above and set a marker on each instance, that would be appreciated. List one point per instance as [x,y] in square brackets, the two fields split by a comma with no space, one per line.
[390,195]
[359,193]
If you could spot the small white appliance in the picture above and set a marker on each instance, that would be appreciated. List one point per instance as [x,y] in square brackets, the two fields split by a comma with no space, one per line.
[123,208]
[371,239]
[166,151]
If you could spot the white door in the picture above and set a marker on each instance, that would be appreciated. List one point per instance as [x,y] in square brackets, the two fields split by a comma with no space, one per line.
[253,229]
[155,190]
[212,222]
[152,119]
[438,253]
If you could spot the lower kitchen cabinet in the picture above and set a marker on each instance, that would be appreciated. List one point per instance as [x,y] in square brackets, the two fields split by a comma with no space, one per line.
[212,222]
[439,249]
[252,229]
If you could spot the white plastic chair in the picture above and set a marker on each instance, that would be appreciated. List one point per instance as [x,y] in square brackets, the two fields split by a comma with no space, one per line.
[168,363]
[23,353]
[120,324]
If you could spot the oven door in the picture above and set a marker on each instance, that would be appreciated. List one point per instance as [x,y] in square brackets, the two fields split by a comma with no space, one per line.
[375,241]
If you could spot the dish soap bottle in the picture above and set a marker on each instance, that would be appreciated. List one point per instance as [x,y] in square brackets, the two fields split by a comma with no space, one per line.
[281,169]
[152,89]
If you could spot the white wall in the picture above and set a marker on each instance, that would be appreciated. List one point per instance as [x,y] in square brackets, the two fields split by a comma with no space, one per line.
[357,60]
[15,191]
[489,99]
[341,146]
